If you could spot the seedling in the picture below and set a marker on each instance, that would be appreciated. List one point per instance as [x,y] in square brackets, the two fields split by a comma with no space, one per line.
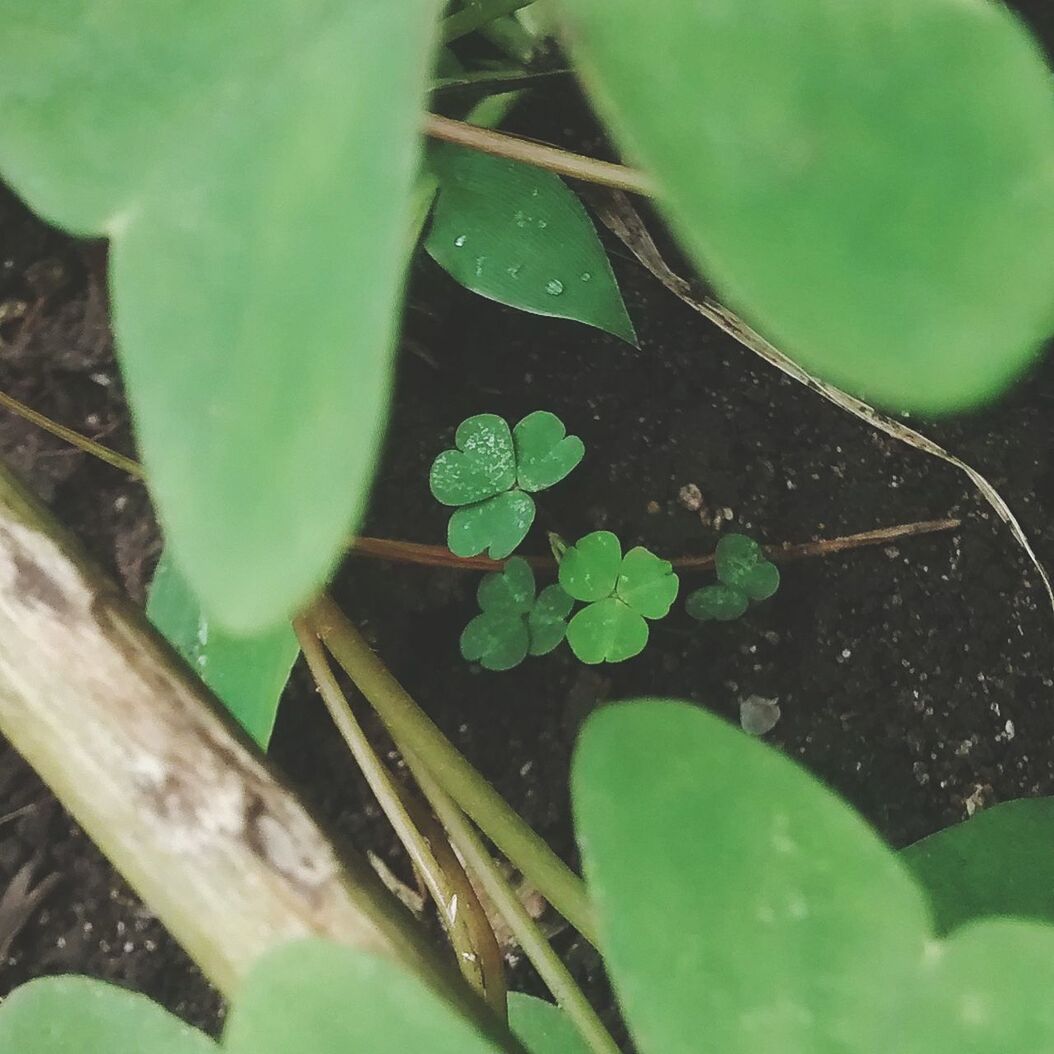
[514,622]
[492,474]
[744,575]
[620,591]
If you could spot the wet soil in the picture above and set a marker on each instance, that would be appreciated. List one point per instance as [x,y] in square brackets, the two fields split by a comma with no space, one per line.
[917,678]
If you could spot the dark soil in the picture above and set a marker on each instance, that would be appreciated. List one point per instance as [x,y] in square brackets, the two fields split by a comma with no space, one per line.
[914,678]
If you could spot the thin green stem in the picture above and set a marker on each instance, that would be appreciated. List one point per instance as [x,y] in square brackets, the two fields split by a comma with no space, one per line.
[541,155]
[475,15]
[409,725]
[553,972]
[387,796]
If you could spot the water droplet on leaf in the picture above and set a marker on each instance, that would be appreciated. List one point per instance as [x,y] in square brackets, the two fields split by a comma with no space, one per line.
[554,287]
[585,276]
[460,240]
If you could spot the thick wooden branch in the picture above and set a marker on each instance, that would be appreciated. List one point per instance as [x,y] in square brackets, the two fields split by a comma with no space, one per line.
[147,762]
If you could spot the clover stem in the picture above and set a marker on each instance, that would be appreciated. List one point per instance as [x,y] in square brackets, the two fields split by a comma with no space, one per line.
[541,954]
[380,782]
[410,726]
[476,15]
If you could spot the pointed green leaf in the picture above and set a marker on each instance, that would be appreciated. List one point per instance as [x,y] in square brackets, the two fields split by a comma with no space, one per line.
[547,622]
[78,1015]
[499,523]
[310,997]
[508,591]
[257,369]
[647,583]
[542,1027]
[607,631]
[246,673]
[1000,862]
[742,907]
[518,235]
[496,640]
[545,454]
[589,569]
[871,183]
[484,463]
[719,603]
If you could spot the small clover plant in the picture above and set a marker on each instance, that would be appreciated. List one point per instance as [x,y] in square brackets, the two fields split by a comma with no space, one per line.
[744,575]
[620,592]
[493,472]
[514,622]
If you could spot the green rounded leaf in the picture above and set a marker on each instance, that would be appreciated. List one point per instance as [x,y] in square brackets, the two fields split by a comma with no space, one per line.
[545,454]
[484,463]
[246,673]
[735,558]
[310,997]
[742,907]
[871,183]
[542,1027]
[607,631]
[496,640]
[717,603]
[518,235]
[547,622]
[498,524]
[508,591]
[79,1015]
[647,583]
[589,570]
[221,175]
[1000,862]
[762,581]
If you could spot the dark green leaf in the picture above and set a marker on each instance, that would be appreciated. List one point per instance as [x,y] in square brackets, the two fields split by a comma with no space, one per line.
[78,1015]
[484,463]
[543,1028]
[647,584]
[545,454]
[516,234]
[246,673]
[871,183]
[508,591]
[499,523]
[607,631]
[547,622]
[589,570]
[762,581]
[1000,862]
[736,556]
[718,603]
[255,295]
[496,640]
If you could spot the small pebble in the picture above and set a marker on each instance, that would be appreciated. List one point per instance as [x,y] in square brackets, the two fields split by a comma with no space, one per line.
[758,716]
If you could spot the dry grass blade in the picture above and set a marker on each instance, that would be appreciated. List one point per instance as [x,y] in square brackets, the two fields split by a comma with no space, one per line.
[20,901]
[623,220]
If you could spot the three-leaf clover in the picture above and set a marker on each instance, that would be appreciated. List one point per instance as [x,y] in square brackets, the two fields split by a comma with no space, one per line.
[513,623]
[620,591]
[492,474]
[744,575]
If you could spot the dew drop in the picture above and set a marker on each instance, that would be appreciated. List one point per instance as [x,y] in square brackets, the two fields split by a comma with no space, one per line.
[542,224]
[460,240]
[480,260]
[554,287]
[585,276]
[514,271]
[521,218]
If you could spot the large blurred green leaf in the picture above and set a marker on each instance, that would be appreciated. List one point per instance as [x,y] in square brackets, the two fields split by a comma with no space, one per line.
[871,183]
[79,1015]
[1000,862]
[543,1028]
[518,235]
[252,164]
[246,673]
[744,908]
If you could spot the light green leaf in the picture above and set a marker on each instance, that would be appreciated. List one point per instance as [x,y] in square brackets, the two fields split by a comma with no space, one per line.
[543,1027]
[496,640]
[79,1015]
[545,454]
[508,591]
[246,673]
[744,908]
[872,184]
[1000,862]
[719,603]
[589,569]
[647,584]
[255,296]
[321,998]
[607,631]
[499,523]
[484,463]
[547,622]
[518,235]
